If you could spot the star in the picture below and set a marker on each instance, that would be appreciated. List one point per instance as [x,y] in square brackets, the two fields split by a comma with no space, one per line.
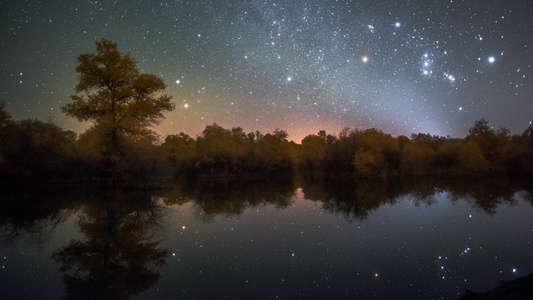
[293,53]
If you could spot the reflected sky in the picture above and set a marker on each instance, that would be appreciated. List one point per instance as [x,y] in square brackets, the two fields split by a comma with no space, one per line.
[292,242]
[405,250]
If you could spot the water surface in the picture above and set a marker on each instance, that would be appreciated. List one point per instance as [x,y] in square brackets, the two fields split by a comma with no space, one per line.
[258,239]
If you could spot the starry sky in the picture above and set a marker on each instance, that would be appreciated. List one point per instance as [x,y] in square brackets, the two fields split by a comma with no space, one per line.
[429,66]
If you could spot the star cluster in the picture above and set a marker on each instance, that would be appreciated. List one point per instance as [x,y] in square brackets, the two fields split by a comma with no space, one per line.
[402,67]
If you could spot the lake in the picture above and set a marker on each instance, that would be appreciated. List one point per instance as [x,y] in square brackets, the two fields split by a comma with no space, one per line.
[257,239]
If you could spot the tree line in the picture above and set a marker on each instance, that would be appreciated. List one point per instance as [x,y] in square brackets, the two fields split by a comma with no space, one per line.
[34,149]
[123,104]
[352,152]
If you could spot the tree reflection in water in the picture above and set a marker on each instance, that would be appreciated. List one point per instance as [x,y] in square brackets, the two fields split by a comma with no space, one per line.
[118,253]
[229,197]
[114,259]
[35,213]
[354,199]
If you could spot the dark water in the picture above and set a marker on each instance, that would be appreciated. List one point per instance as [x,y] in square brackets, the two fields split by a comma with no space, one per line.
[320,239]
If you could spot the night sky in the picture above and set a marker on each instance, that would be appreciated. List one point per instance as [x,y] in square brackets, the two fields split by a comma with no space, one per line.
[400,66]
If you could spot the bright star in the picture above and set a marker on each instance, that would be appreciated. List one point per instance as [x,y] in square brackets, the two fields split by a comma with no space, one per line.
[178,81]
[186,105]
[397,24]
[451,78]
[364,59]
[492,59]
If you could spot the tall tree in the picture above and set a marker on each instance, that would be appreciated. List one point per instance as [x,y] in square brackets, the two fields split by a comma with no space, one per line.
[112,93]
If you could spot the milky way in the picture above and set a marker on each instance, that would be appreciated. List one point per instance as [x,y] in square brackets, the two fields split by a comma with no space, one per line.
[400,66]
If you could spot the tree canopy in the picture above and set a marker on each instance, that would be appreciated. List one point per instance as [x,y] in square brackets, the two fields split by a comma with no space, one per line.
[32,149]
[115,96]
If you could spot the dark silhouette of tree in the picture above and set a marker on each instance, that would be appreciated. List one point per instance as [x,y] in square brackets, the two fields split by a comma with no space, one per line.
[120,101]
[179,151]
[272,153]
[495,144]
[340,151]
[403,141]
[254,137]
[378,153]
[220,150]
[280,134]
[416,157]
[33,149]
[470,157]
[223,152]
[481,127]
[313,153]
[433,141]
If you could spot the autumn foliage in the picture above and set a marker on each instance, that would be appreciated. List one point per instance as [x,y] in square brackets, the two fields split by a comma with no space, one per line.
[33,149]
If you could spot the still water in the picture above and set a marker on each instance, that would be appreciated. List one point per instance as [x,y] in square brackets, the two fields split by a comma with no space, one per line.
[320,239]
